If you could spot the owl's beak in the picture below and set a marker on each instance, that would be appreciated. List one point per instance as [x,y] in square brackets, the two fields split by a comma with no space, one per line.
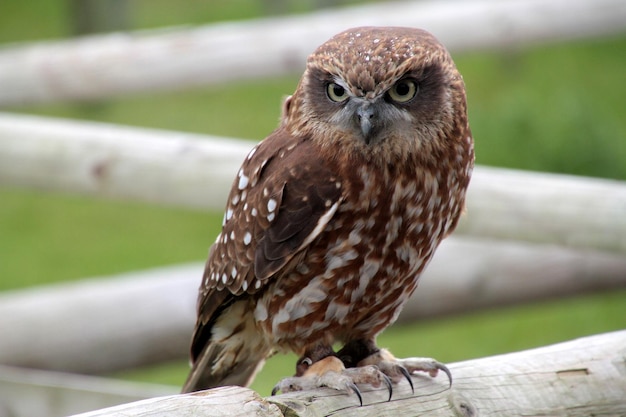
[366,116]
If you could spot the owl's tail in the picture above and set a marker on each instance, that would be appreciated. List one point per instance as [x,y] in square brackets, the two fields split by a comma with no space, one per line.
[233,355]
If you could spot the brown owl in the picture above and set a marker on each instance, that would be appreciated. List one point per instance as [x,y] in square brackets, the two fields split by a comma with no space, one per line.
[333,217]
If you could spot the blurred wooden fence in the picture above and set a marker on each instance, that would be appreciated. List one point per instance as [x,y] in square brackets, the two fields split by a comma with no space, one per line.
[521,226]
[98,67]
[197,170]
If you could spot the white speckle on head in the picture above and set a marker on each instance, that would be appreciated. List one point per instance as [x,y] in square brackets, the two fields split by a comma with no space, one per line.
[225,238]
[254,212]
[247,238]
[235,199]
[243,181]
[266,192]
[244,285]
[257,284]
[229,214]
[233,272]
[224,278]
[271,205]
[232,235]
[270,217]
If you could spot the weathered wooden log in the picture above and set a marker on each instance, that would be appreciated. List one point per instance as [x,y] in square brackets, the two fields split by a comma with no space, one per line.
[135,319]
[34,392]
[583,377]
[197,171]
[105,66]
[101,325]
[118,161]
[547,208]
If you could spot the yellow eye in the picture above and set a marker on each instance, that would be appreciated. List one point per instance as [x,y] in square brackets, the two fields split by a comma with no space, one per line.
[403,91]
[336,93]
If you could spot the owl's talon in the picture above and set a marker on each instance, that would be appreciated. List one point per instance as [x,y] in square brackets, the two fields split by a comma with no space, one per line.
[356,390]
[407,375]
[387,381]
[444,368]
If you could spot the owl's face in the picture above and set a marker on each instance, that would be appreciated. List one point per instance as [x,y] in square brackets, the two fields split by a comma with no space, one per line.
[379,88]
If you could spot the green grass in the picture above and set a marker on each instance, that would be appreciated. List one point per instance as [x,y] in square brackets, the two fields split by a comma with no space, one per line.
[49,238]
[557,108]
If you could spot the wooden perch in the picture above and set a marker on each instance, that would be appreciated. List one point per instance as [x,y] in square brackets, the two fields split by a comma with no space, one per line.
[197,171]
[111,65]
[135,319]
[583,377]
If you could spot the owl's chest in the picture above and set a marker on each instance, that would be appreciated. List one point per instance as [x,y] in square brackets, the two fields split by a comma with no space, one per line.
[380,239]
[356,275]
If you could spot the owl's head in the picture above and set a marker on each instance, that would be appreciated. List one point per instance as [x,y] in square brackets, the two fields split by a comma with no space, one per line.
[369,89]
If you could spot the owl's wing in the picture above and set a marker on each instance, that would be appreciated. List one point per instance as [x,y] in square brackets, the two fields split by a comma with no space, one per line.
[281,200]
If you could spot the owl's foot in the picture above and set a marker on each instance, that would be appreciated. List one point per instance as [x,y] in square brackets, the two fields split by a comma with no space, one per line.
[330,372]
[398,369]
[359,353]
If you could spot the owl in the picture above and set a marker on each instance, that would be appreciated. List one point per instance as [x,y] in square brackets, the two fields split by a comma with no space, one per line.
[333,217]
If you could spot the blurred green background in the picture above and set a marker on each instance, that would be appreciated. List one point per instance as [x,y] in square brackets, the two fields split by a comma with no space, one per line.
[556,107]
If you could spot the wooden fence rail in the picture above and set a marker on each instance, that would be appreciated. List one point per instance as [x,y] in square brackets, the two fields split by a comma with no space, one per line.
[197,171]
[583,377]
[104,66]
[35,392]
